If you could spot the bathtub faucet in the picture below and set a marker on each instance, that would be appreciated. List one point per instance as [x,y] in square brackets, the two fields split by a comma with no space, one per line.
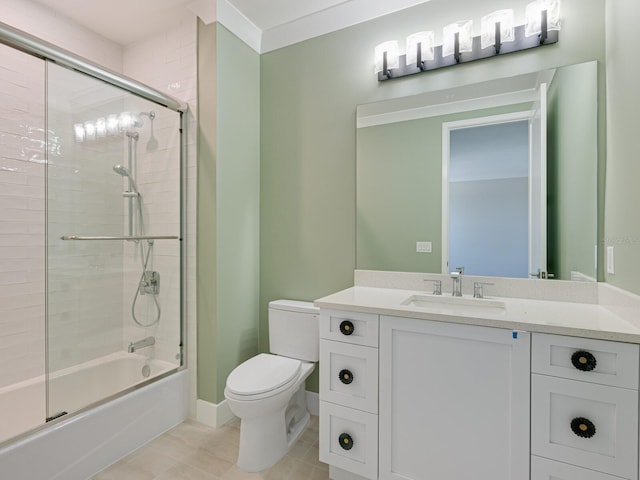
[145,342]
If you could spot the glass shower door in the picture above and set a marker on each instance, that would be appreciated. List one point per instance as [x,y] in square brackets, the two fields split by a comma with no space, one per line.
[113,248]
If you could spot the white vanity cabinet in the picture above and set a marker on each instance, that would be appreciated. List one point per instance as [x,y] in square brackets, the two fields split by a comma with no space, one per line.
[584,416]
[417,399]
[454,401]
[349,394]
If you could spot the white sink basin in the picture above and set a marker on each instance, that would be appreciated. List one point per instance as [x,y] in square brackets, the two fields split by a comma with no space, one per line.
[456,305]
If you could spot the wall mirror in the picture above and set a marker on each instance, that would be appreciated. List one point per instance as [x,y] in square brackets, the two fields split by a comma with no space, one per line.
[498,177]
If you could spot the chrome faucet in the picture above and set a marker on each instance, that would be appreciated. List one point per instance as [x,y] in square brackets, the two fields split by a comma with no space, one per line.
[478,290]
[145,342]
[437,286]
[457,281]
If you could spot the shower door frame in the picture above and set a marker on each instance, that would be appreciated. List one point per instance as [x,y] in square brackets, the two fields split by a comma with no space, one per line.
[49,52]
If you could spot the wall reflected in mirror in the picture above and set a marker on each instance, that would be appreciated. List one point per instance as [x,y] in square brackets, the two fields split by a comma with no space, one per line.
[406,187]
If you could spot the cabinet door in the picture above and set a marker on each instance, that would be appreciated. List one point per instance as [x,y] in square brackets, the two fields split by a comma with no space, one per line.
[454,401]
[585,424]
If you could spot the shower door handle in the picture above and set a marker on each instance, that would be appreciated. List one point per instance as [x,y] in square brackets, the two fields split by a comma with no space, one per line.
[125,237]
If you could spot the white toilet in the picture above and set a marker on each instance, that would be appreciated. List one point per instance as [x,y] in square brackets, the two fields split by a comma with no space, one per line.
[267,392]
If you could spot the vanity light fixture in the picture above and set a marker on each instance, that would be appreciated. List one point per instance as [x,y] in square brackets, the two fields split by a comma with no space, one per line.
[419,49]
[542,17]
[498,36]
[497,27]
[457,38]
[387,56]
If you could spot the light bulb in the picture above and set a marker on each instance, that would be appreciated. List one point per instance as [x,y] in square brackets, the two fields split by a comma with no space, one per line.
[393,56]
[507,31]
[425,39]
[465,37]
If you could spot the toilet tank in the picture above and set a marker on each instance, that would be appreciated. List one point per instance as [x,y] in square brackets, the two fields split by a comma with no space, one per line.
[294,329]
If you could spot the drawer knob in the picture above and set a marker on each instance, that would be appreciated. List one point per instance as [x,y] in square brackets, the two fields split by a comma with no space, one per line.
[345,376]
[583,427]
[346,327]
[584,361]
[345,440]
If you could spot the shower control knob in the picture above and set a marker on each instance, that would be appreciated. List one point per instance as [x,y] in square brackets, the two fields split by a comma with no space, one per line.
[345,440]
[346,327]
[584,361]
[345,376]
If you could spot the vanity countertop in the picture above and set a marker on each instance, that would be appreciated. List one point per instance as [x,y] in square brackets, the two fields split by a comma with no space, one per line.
[562,318]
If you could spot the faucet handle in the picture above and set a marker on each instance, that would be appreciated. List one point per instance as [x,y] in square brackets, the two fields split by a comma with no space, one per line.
[437,286]
[478,290]
[460,270]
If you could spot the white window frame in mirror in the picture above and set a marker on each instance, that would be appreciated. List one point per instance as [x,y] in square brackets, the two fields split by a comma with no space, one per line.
[447,128]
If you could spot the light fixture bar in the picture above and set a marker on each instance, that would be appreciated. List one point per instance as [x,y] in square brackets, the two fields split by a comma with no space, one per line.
[520,43]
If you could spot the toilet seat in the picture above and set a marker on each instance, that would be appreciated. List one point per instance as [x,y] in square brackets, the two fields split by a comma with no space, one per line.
[262,376]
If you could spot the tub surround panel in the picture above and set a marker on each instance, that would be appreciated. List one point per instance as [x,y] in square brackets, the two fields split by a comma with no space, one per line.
[551,290]
[80,447]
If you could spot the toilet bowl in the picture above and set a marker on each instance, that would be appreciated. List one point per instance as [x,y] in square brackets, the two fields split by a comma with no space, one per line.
[267,392]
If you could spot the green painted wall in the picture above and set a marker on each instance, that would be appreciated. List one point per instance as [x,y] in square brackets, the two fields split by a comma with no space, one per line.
[622,227]
[309,92]
[399,191]
[572,171]
[228,206]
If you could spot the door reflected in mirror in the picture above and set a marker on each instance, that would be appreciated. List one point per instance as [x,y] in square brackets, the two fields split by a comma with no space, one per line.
[493,207]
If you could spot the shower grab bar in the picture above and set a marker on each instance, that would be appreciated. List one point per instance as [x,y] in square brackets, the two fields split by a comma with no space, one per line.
[126,237]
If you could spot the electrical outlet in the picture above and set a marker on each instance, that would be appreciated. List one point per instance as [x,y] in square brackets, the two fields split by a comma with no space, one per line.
[423,247]
[610,261]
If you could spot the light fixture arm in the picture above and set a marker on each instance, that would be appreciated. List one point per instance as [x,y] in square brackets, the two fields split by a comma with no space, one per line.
[544,32]
[385,69]
[419,62]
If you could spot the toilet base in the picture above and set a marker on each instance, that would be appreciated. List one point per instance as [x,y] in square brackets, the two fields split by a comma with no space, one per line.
[265,440]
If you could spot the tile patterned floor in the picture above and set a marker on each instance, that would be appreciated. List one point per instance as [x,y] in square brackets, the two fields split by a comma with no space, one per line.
[192,451]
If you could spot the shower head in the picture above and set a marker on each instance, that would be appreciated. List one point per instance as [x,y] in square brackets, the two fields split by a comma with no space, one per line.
[124,172]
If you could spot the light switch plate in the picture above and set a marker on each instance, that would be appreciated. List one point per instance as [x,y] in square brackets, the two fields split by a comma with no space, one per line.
[423,247]
[610,261]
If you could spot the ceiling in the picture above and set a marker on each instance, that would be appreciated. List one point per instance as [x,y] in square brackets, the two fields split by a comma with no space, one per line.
[127,21]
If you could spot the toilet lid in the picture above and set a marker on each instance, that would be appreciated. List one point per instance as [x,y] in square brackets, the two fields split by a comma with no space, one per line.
[262,373]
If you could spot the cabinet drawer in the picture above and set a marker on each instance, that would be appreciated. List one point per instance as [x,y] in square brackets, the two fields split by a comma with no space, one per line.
[596,361]
[585,424]
[544,469]
[349,439]
[349,375]
[350,327]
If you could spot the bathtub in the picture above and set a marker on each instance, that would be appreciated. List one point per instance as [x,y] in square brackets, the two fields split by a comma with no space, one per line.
[80,445]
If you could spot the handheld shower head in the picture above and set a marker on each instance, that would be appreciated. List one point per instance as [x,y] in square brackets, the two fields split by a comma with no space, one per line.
[124,172]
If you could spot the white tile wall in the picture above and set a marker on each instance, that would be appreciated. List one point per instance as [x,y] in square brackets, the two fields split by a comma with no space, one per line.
[168,62]
[21,216]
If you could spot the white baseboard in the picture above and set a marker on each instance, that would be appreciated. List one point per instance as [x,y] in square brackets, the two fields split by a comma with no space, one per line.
[213,415]
[313,403]
[216,415]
